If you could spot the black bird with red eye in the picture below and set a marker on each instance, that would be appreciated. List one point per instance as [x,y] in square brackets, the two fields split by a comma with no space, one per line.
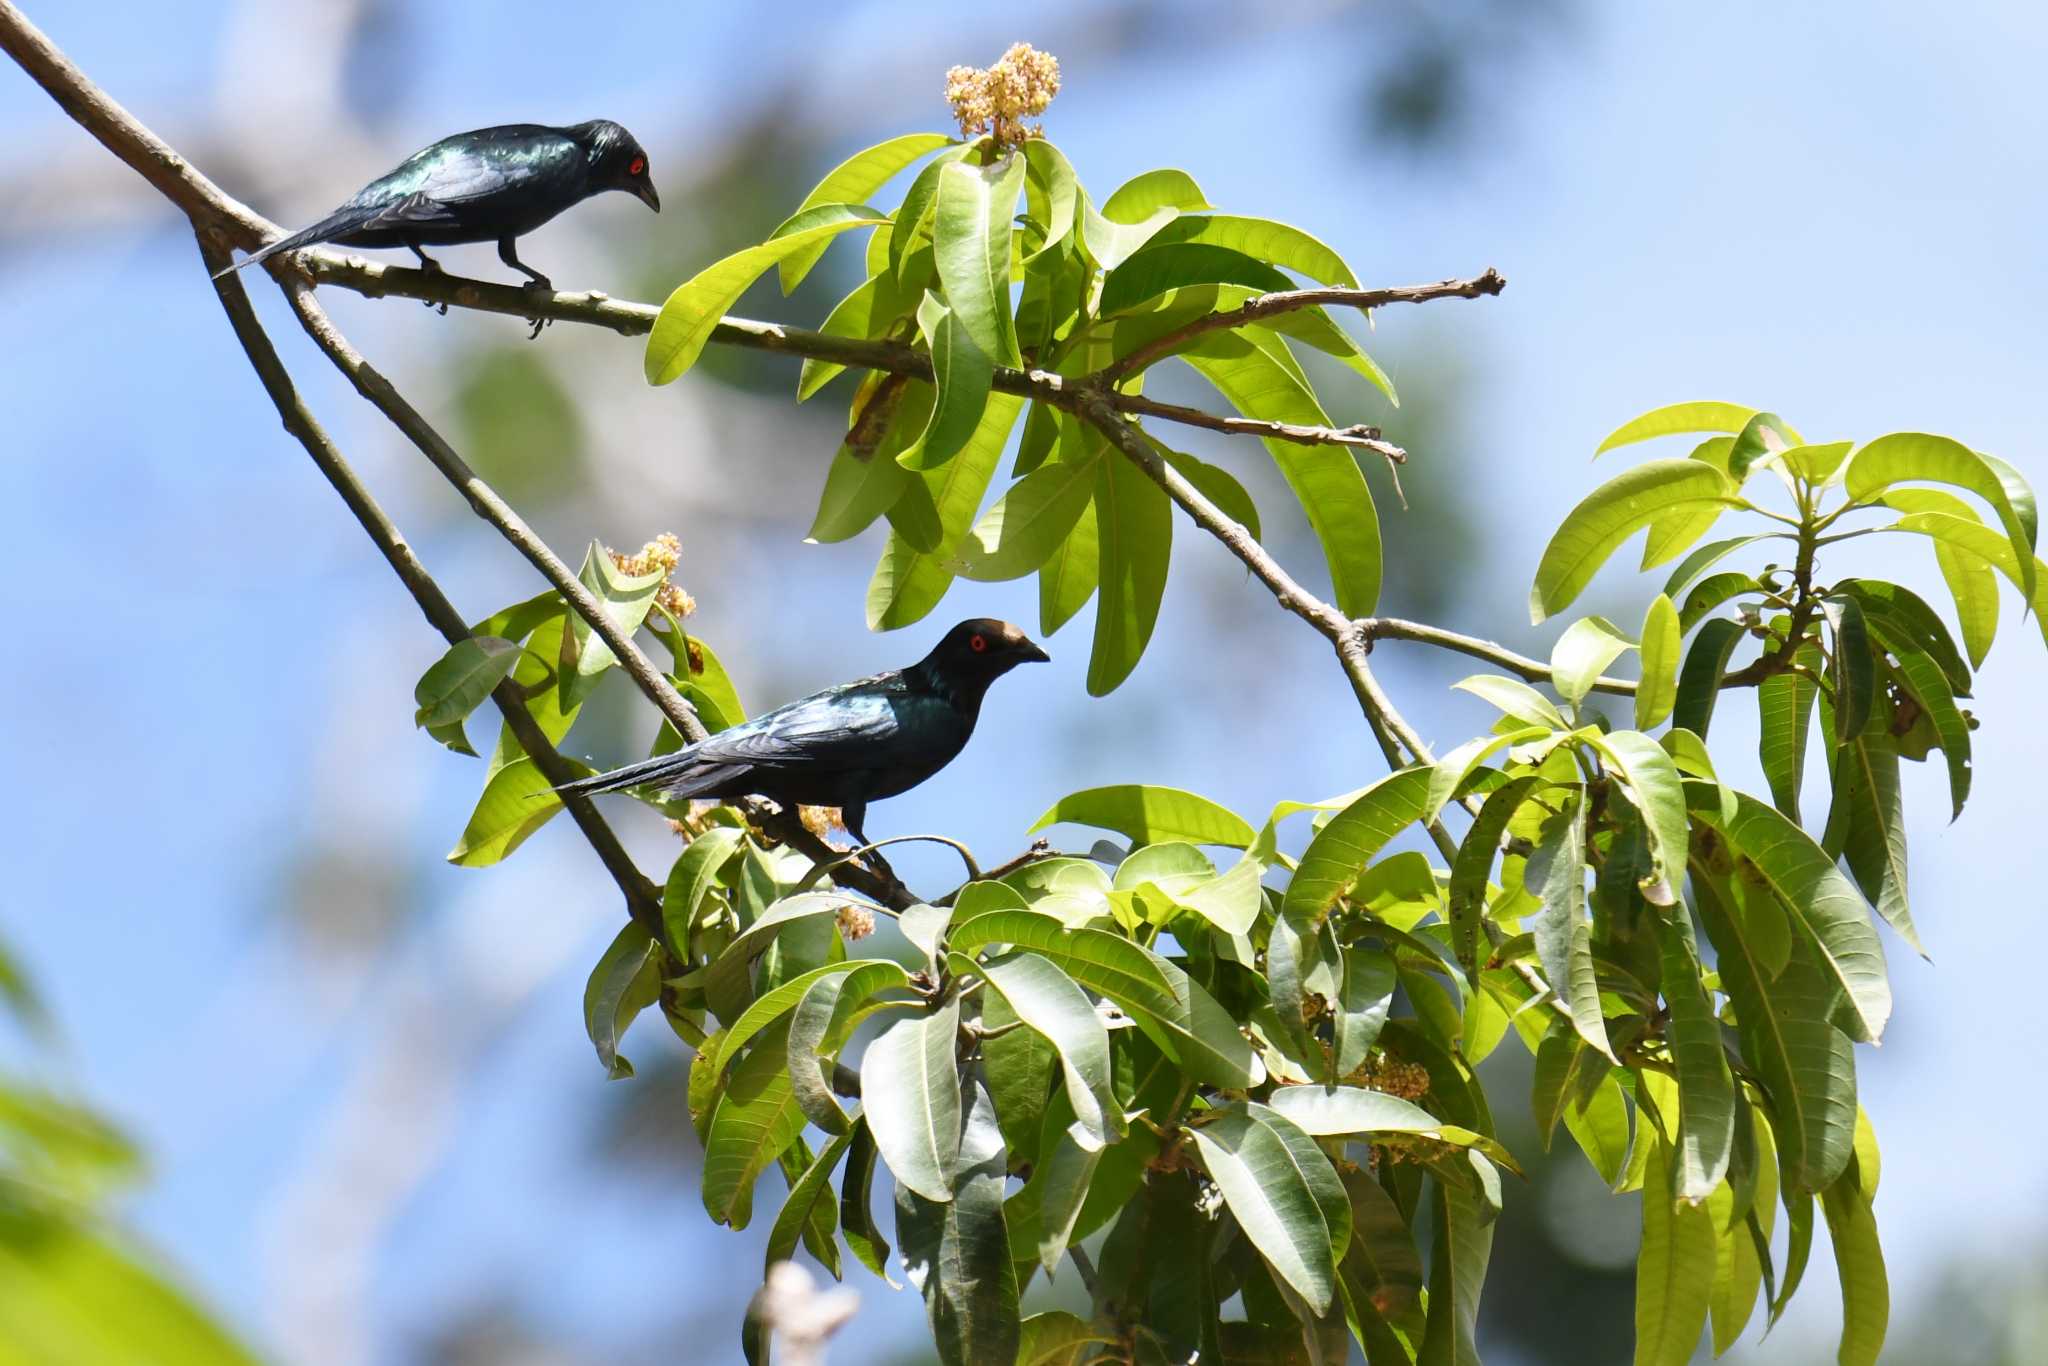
[491,185]
[849,745]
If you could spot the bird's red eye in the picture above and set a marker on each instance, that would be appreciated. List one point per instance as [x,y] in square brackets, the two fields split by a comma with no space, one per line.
[638,166]
[977,643]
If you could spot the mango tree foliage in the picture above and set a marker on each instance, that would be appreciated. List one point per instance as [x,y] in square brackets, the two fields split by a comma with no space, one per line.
[1228,1063]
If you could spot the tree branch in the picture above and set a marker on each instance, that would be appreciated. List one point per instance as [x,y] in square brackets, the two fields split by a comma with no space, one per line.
[206,204]
[484,500]
[1531,670]
[643,900]
[1252,310]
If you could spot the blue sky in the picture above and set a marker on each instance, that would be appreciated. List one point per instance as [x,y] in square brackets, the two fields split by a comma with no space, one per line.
[1832,211]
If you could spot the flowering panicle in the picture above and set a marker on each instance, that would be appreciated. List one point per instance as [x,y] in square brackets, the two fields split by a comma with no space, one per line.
[997,101]
[659,556]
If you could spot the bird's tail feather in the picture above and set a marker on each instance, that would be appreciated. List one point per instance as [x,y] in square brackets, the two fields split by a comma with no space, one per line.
[680,774]
[334,225]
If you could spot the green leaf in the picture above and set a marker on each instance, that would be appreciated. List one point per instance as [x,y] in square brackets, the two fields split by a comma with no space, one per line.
[1699,681]
[1451,771]
[1264,240]
[773,1004]
[913,217]
[1029,523]
[1144,195]
[1053,1337]
[1859,1261]
[1048,1001]
[1656,790]
[1855,672]
[957,1251]
[1678,417]
[1674,1270]
[76,1292]
[517,800]
[1332,1111]
[1872,812]
[692,880]
[1134,530]
[962,372]
[856,1205]
[687,319]
[804,1197]
[1104,963]
[909,582]
[825,1015]
[871,310]
[626,980]
[1326,480]
[1150,815]
[860,487]
[1515,698]
[1609,515]
[1110,243]
[852,181]
[1784,702]
[910,1087]
[626,599]
[971,248]
[1284,1194]
[1343,847]
[726,983]
[1465,900]
[1661,647]
[1974,587]
[1706,1087]
[1702,559]
[1556,874]
[1457,1275]
[460,680]
[1823,901]
[1159,271]
[1806,1064]
[1974,538]
[1366,993]
[1902,621]
[1051,190]
[1069,1167]
[1220,487]
[1194,1031]
[757,1117]
[1582,654]
[1929,687]
[1917,456]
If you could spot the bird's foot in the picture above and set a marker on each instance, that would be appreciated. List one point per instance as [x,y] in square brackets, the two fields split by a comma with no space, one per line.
[441,308]
[541,285]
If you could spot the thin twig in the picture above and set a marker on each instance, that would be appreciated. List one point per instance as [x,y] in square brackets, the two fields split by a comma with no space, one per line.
[1362,435]
[1531,670]
[1252,310]
[643,900]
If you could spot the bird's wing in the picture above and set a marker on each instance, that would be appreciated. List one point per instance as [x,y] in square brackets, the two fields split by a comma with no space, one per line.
[861,725]
[423,191]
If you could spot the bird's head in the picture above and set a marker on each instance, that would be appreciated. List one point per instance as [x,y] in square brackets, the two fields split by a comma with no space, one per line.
[983,649]
[618,161]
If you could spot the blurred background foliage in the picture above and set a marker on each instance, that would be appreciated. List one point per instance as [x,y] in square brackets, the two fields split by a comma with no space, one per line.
[375,1126]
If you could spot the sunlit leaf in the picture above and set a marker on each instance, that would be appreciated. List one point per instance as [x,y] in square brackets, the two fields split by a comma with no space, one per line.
[687,319]
[1609,515]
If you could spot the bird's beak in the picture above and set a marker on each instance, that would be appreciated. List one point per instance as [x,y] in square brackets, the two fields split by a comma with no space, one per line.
[1029,652]
[645,189]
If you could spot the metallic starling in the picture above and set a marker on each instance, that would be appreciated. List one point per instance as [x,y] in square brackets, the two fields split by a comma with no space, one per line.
[845,746]
[492,185]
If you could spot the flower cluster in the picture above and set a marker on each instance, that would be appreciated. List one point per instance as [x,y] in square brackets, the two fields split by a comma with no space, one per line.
[659,556]
[855,922]
[1408,1080]
[998,100]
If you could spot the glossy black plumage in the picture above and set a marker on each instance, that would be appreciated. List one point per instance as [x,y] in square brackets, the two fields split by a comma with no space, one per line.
[490,185]
[848,745]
